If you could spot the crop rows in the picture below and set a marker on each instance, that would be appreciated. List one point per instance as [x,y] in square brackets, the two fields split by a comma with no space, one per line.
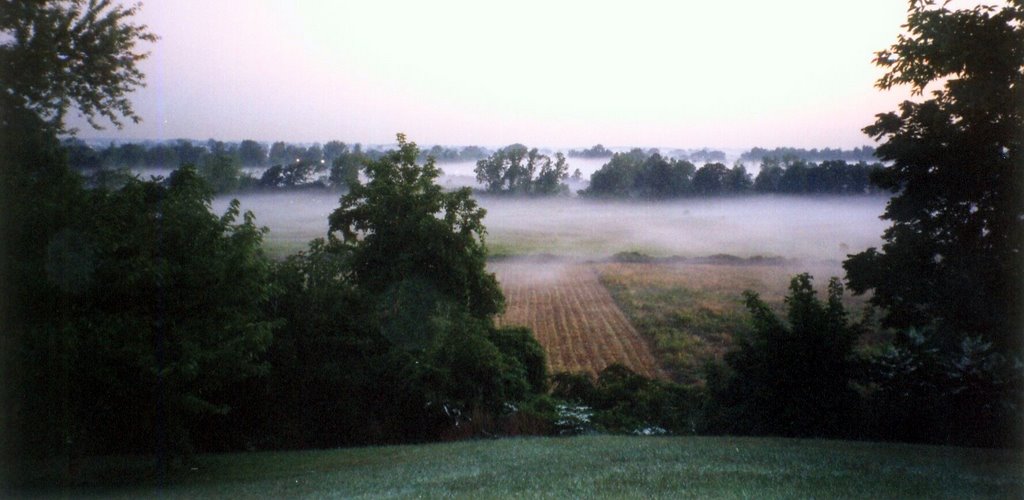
[573,317]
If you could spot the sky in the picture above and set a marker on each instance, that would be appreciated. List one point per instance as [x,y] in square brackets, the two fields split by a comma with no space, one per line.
[722,74]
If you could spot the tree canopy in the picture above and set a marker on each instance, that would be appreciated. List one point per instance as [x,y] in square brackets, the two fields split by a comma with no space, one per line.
[516,169]
[953,256]
[403,227]
[57,54]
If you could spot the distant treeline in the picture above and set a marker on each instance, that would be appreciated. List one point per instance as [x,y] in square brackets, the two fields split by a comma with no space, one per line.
[637,174]
[597,151]
[247,153]
[698,155]
[704,155]
[332,165]
[443,154]
[861,154]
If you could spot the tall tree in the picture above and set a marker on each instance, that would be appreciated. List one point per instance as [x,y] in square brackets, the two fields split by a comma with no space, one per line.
[954,255]
[56,54]
[407,234]
[252,153]
[516,169]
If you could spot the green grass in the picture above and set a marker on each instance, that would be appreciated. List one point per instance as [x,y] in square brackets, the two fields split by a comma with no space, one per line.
[593,466]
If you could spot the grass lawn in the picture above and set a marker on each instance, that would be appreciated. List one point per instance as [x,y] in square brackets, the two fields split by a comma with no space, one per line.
[591,466]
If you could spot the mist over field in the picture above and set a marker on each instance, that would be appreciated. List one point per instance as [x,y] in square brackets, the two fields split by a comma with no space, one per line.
[793,227]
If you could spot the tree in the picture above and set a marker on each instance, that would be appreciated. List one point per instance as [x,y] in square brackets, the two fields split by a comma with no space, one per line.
[404,228]
[127,313]
[415,255]
[157,346]
[659,178]
[953,255]
[710,179]
[549,179]
[56,54]
[515,169]
[770,176]
[617,177]
[252,153]
[738,180]
[790,379]
[345,168]
[279,153]
[333,150]
[221,171]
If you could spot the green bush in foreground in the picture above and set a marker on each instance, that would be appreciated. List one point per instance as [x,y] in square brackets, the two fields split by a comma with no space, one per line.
[793,378]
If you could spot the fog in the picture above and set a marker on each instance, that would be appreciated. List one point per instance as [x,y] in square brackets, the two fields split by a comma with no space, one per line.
[804,228]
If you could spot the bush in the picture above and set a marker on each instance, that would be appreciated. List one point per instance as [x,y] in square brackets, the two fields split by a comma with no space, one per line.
[623,401]
[965,393]
[790,380]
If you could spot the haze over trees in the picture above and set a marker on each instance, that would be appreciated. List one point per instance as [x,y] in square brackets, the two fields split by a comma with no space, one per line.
[637,174]
[786,154]
[597,151]
[516,169]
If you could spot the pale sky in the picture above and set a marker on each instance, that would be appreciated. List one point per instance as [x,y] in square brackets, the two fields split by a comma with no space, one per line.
[725,74]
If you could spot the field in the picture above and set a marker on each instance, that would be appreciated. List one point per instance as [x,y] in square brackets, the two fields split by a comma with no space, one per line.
[691,312]
[580,467]
[659,319]
[573,317]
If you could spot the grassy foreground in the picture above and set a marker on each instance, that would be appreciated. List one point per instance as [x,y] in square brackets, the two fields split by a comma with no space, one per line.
[592,466]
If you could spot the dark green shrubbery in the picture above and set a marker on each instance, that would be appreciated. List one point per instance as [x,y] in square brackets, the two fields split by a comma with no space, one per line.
[792,378]
[621,401]
[965,392]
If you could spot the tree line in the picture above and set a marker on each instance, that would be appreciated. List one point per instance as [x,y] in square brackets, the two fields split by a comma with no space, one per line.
[246,153]
[637,174]
[788,154]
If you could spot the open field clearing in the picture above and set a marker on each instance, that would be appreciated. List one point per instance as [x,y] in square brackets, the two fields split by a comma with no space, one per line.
[794,227]
[573,317]
[690,312]
[584,467]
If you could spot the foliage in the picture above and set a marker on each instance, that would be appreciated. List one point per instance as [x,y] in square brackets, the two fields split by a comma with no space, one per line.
[597,151]
[55,54]
[290,175]
[967,394]
[639,175]
[443,154]
[402,226]
[659,178]
[793,176]
[792,378]
[251,153]
[953,254]
[345,166]
[622,401]
[787,154]
[519,345]
[515,169]
[617,177]
[221,172]
[155,311]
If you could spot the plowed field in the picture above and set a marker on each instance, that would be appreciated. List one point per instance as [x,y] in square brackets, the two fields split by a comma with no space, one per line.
[573,317]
